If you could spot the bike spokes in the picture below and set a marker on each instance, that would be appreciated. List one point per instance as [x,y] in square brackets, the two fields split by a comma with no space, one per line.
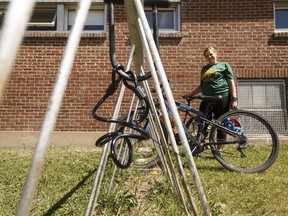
[253,147]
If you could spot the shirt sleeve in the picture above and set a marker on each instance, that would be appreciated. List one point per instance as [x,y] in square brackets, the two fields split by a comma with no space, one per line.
[229,72]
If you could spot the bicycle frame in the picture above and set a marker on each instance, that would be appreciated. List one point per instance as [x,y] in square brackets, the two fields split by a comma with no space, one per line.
[187,132]
[236,139]
[187,109]
[229,137]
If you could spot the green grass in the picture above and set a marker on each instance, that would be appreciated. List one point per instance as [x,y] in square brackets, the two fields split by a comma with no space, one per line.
[68,174]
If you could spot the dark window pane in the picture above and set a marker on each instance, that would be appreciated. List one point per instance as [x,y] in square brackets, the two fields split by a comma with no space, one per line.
[43,20]
[165,19]
[90,27]
[94,21]
[43,16]
[281,19]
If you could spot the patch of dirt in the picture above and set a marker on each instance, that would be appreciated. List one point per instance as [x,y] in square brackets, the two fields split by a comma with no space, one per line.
[146,206]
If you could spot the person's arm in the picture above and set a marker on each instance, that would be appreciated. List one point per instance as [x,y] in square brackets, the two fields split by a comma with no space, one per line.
[196,91]
[233,92]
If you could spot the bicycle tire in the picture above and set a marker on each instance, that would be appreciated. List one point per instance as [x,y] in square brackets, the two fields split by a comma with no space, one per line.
[145,154]
[259,145]
[193,127]
[144,151]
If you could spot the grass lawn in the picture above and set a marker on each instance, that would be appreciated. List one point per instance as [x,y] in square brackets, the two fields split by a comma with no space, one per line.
[68,174]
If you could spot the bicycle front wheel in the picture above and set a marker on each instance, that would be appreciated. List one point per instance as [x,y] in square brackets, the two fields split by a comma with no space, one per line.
[145,152]
[253,147]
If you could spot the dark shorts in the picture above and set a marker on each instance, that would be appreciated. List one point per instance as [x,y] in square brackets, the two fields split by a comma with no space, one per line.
[218,109]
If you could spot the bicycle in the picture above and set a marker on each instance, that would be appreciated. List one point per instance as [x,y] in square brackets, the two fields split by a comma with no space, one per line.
[248,144]
[240,140]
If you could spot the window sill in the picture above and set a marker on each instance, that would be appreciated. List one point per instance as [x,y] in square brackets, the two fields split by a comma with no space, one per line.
[64,34]
[170,35]
[280,34]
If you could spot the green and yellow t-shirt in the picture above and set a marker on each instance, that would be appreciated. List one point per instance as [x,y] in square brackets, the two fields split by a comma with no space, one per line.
[214,79]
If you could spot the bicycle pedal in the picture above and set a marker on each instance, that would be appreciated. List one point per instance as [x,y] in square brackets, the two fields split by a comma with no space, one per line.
[243,146]
[197,150]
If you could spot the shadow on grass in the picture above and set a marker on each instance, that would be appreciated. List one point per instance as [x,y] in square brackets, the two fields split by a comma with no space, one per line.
[57,205]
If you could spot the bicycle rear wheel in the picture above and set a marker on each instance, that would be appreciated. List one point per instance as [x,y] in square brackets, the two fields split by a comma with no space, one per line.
[254,148]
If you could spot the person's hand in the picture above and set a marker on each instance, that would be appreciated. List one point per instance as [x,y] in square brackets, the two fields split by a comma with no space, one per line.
[187,96]
[233,105]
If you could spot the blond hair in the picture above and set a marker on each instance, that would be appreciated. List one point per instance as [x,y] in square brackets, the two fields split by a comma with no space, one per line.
[211,49]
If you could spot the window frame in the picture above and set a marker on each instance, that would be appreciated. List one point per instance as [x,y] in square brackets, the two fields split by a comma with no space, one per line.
[176,8]
[48,25]
[61,19]
[92,8]
[280,5]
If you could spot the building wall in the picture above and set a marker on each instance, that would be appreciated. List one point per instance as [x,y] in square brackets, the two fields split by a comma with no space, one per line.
[242,31]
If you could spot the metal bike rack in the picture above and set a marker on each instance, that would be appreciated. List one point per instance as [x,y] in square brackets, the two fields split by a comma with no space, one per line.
[100,172]
[167,90]
[152,54]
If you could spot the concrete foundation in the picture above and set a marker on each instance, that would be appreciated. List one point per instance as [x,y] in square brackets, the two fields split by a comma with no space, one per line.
[57,139]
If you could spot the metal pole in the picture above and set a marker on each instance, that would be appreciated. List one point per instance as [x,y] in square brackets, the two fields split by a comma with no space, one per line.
[171,103]
[12,34]
[126,148]
[53,109]
[100,171]
[156,122]
[103,161]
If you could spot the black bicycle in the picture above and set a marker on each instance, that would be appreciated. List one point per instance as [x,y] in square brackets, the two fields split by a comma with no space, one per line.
[240,140]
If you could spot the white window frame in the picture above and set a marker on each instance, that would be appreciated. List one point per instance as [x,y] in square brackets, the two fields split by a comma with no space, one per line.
[60,21]
[176,8]
[100,7]
[280,5]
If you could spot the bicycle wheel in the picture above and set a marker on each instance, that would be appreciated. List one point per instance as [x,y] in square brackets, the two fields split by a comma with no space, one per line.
[253,147]
[193,127]
[145,153]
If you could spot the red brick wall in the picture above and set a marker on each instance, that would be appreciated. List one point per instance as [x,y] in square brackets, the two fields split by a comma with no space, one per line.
[242,31]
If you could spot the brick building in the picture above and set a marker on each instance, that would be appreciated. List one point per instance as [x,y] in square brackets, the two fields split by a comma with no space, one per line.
[252,35]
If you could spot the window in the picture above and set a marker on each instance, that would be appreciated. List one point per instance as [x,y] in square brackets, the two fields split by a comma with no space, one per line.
[267,98]
[281,16]
[61,17]
[94,22]
[168,18]
[43,19]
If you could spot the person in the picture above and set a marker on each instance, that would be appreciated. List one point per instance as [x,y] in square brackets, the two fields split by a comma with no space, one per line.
[216,79]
